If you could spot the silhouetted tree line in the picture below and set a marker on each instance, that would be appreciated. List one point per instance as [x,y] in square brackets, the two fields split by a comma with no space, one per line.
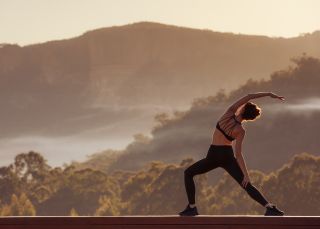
[29,186]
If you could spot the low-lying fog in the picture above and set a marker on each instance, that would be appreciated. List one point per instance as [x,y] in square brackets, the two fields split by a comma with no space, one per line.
[60,150]
[64,149]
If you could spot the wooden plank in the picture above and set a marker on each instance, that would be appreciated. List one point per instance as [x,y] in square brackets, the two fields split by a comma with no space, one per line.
[159,222]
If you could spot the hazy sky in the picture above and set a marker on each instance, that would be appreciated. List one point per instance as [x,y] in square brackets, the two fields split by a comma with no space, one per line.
[33,21]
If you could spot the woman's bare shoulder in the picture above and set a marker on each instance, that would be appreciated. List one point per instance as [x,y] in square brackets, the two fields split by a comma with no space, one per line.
[227,114]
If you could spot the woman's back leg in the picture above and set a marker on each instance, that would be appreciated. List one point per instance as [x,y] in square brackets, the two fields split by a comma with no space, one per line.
[202,166]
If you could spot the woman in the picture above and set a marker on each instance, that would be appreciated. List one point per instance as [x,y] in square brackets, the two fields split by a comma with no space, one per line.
[220,153]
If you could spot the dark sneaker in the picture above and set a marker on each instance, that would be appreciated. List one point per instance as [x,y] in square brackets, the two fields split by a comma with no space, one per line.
[189,211]
[273,211]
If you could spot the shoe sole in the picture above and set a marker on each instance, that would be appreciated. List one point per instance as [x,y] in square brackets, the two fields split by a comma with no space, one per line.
[187,215]
[274,215]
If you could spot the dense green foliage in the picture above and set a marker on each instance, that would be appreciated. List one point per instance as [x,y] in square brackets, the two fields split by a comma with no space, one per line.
[29,186]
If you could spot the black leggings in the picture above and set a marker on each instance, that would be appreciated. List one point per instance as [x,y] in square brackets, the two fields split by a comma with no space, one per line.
[219,156]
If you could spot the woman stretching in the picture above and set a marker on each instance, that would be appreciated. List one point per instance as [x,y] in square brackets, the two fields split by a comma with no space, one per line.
[220,153]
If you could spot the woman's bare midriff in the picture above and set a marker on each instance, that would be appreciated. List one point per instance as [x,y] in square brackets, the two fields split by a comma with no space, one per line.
[219,139]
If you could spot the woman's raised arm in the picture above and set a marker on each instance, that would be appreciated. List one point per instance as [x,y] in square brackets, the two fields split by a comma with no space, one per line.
[235,106]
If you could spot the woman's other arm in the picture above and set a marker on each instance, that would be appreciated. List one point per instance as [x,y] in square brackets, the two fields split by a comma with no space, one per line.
[239,157]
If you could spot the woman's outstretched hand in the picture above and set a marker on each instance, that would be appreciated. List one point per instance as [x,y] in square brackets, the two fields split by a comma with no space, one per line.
[272,95]
[245,181]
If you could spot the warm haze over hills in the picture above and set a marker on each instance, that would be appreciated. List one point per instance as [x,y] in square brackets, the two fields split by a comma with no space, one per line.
[284,128]
[108,82]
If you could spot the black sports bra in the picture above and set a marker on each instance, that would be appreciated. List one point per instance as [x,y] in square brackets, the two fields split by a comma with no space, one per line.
[230,138]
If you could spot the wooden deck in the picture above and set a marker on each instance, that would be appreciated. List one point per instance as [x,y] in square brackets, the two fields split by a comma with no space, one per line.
[158,222]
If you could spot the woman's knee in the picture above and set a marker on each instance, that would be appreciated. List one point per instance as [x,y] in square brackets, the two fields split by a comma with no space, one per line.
[189,172]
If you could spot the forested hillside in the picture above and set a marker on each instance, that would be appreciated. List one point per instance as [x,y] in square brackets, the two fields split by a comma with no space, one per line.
[91,80]
[284,128]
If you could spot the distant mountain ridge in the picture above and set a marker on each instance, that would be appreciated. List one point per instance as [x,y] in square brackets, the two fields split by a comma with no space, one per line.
[135,64]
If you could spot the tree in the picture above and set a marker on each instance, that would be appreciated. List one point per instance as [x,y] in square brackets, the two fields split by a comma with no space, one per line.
[19,206]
